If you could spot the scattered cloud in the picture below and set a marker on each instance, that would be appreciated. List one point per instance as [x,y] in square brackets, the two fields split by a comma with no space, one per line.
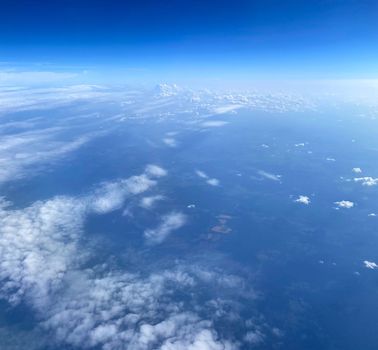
[357,170]
[303,200]
[370,265]
[345,204]
[367,180]
[148,202]
[155,171]
[169,223]
[209,181]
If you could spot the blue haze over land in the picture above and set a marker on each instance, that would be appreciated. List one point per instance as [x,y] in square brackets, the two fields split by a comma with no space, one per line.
[188,175]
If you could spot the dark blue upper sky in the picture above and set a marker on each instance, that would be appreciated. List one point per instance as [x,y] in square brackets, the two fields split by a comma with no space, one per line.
[244,38]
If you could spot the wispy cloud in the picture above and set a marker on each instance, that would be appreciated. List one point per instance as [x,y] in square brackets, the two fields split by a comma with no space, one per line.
[169,223]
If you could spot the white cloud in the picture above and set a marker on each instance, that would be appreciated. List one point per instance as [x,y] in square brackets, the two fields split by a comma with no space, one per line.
[367,180]
[345,204]
[213,182]
[210,181]
[169,223]
[370,265]
[155,170]
[21,154]
[34,77]
[170,141]
[201,174]
[303,199]
[148,202]
[214,123]
[226,109]
[270,176]
[357,170]
[42,259]
[111,196]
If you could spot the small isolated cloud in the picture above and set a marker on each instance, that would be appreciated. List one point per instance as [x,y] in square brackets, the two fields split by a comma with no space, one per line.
[214,123]
[169,223]
[345,204]
[201,174]
[213,182]
[301,144]
[370,265]
[155,170]
[303,199]
[170,141]
[209,180]
[372,214]
[367,180]
[357,170]
[269,176]
[330,159]
[148,202]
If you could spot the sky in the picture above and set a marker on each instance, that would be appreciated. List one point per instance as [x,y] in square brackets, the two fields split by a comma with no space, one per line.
[181,39]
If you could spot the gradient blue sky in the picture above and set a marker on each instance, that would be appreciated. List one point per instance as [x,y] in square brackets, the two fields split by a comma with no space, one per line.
[242,39]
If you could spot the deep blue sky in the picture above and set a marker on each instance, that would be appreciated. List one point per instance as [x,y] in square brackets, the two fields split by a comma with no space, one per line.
[251,39]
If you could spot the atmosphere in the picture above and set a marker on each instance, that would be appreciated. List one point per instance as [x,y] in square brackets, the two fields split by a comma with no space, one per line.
[237,40]
[188,175]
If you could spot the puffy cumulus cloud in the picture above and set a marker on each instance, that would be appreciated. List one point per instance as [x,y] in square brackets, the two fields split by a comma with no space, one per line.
[210,181]
[169,223]
[42,259]
[119,310]
[370,265]
[37,246]
[357,170]
[345,204]
[367,180]
[148,202]
[303,200]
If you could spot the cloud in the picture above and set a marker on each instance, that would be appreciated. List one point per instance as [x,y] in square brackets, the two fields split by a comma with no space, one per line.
[111,196]
[370,265]
[214,123]
[226,109]
[269,176]
[303,199]
[210,181]
[367,180]
[21,154]
[345,204]
[170,141]
[34,77]
[213,182]
[155,171]
[44,264]
[169,223]
[357,170]
[148,202]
